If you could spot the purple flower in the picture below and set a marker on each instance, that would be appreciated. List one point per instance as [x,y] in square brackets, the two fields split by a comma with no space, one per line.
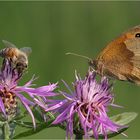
[11,93]
[89,102]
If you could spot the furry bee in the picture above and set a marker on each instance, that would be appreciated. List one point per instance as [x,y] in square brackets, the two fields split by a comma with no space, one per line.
[17,57]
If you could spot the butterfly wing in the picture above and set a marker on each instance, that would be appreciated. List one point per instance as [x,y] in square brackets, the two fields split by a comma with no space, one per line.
[115,65]
[121,58]
[133,45]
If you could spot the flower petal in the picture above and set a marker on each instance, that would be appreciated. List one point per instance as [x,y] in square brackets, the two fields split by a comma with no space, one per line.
[28,109]
[64,115]
[57,105]
[2,107]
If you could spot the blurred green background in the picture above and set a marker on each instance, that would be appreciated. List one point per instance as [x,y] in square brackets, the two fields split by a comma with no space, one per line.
[52,29]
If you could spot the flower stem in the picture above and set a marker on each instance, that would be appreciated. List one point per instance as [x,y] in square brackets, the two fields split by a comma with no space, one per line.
[6,130]
[78,137]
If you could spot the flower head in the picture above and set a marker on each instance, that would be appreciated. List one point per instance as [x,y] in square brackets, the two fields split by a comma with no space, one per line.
[89,101]
[11,93]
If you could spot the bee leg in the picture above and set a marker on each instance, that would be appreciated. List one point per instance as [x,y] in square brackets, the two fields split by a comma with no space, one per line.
[92,69]
[20,74]
[16,71]
[4,63]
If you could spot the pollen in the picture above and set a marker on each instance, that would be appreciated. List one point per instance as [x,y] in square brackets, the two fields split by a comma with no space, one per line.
[10,102]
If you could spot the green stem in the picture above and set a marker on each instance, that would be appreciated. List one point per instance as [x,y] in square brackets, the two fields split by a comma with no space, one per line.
[52,117]
[78,137]
[6,130]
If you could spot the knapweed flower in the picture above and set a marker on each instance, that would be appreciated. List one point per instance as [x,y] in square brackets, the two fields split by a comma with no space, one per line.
[11,93]
[89,102]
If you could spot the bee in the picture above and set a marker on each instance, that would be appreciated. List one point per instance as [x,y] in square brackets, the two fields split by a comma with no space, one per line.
[17,57]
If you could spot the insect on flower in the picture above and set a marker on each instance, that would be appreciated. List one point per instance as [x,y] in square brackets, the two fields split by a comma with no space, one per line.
[89,101]
[11,94]
[120,59]
[18,57]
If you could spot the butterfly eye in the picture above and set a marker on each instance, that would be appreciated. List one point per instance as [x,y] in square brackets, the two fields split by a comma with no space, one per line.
[137,35]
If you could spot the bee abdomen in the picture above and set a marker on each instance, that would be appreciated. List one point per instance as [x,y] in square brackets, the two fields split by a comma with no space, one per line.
[7,52]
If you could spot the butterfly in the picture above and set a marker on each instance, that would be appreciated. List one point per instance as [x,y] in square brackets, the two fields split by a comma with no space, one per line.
[120,59]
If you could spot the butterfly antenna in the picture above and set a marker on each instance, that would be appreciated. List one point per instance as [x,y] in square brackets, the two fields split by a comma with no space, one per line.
[69,53]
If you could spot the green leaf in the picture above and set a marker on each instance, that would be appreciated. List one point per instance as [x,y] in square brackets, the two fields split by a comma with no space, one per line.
[1,123]
[21,115]
[12,127]
[30,132]
[121,119]
[2,130]
[6,130]
[124,118]
[1,133]
[110,135]
[38,114]
[24,124]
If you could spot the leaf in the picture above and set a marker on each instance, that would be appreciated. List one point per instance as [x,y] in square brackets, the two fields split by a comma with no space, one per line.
[121,119]
[24,124]
[110,135]
[12,127]
[38,114]
[21,115]
[6,131]
[1,123]
[1,133]
[124,118]
[30,132]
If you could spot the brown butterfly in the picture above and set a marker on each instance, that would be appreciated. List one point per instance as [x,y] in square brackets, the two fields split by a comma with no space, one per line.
[121,57]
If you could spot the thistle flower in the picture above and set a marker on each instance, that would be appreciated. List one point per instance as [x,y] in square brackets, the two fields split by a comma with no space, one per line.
[89,102]
[11,93]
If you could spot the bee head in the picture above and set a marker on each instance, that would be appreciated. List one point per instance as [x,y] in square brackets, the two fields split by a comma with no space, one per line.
[21,65]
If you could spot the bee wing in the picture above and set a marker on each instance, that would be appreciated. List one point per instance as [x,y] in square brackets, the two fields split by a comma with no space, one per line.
[8,44]
[26,50]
